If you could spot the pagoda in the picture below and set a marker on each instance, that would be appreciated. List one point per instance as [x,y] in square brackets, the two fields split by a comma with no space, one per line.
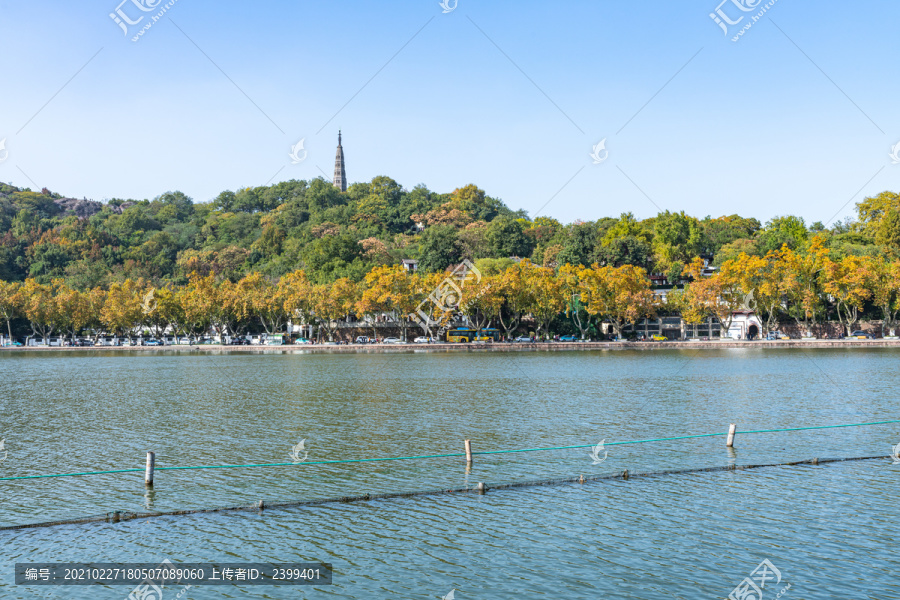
[340,174]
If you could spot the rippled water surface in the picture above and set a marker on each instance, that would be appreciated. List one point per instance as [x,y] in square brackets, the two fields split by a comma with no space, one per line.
[829,529]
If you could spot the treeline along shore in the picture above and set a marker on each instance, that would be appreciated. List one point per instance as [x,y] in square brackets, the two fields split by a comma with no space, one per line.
[304,254]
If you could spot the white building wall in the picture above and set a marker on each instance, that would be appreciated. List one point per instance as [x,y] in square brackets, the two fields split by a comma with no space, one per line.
[741,323]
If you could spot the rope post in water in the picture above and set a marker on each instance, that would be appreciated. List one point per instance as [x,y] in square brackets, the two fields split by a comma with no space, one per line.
[730,441]
[151,465]
[469,452]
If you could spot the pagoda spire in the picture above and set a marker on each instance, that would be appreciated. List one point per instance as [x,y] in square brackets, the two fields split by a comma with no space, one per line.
[340,173]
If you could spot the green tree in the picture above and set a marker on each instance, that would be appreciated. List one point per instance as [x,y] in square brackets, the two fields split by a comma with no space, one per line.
[626,226]
[887,231]
[727,230]
[579,246]
[781,231]
[506,237]
[333,256]
[627,250]
[677,239]
[874,209]
[439,247]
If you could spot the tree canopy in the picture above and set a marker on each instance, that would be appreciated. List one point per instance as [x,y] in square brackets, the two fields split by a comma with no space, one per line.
[310,225]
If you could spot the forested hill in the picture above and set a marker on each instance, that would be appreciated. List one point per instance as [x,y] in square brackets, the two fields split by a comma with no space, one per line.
[311,225]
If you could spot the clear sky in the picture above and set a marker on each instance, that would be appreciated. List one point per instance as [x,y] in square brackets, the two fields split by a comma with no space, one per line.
[796,117]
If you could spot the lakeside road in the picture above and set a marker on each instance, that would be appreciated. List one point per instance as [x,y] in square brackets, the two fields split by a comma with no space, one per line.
[484,347]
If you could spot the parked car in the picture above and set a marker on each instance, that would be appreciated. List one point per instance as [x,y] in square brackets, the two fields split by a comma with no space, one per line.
[152,342]
[524,338]
[777,335]
[568,338]
[361,339]
[423,340]
[658,338]
[861,335]
[302,340]
[391,340]
[239,341]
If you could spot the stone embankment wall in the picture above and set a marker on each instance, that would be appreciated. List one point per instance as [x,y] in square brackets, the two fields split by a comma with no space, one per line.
[486,347]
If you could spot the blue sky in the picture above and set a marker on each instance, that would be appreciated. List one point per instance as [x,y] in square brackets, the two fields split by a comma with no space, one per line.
[796,117]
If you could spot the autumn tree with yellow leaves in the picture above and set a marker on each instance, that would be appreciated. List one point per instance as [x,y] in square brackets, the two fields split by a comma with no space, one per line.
[298,297]
[10,303]
[38,304]
[391,289]
[547,295]
[620,294]
[78,310]
[802,283]
[123,310]
[517,295]
[482,301]
[848,282]
[719,295]
[575,309]
[264,300]
[761,278]
[331,302]
[681,302]
[885,285]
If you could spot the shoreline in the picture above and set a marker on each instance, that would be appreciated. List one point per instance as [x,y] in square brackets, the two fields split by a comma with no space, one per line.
[448,347]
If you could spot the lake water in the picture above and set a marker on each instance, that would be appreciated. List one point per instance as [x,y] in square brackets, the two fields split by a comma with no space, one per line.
[828,529]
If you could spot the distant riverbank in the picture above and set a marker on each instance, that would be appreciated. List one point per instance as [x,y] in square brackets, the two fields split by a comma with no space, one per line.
[484,347]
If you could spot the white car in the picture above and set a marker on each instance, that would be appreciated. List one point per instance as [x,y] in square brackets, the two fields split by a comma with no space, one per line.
[391,340]
[423,340]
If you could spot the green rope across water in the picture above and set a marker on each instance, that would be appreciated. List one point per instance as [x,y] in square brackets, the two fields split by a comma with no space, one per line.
[484,452]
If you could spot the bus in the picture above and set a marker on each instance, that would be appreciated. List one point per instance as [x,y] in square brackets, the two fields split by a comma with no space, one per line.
[465,335]
[461,335]
[488,334]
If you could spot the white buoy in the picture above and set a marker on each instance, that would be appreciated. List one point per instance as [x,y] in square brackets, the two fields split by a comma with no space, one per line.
[730,441]
[469,452]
